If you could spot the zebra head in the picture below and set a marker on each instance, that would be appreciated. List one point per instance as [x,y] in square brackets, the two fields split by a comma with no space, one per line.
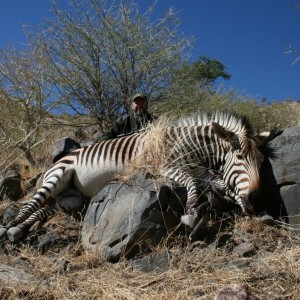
[241,169]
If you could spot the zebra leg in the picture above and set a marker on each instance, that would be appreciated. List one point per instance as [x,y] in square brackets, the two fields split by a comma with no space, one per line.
[183,178]
[55,181]
[17,233]
[197,227]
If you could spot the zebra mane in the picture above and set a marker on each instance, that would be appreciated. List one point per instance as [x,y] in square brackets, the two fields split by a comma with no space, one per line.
[228,120]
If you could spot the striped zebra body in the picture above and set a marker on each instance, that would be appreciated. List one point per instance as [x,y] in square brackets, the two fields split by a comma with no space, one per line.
[203,151]
[222,144]
[87,169]
[94,166]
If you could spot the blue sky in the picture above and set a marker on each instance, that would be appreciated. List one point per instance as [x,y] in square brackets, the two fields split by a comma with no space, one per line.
[248,36]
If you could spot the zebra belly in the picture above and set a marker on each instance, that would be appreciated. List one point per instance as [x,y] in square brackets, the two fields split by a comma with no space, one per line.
[89,181]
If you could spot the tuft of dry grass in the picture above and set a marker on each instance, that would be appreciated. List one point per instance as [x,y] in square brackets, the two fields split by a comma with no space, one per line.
[155,152]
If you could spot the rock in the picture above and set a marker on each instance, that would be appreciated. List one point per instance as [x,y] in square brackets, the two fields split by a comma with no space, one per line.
[9,213]
[221,241]
[237,264]
[61,266]
[13,277]
[158,262]
[238,237]
[245,249]
[47,241]
[62,147]
[71,201]
[10,185]
[281,178]
[234,292]
[266,219]
[124,219]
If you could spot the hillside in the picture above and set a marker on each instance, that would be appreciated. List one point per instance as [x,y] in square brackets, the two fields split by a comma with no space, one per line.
[262,259]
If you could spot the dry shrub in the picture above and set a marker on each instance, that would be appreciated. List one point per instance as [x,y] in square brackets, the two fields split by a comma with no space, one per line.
[12,157]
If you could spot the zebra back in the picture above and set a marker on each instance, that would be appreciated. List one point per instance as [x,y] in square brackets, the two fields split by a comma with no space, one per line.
[230,122]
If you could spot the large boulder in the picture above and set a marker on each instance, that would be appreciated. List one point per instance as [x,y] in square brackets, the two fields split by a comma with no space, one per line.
[126,219]
[281,178]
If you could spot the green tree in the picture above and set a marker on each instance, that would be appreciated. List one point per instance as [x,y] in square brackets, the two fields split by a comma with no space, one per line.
[205,71]
[101,55]
[191,88]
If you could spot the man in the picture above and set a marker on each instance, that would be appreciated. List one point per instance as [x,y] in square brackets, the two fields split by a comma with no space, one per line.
[135,121]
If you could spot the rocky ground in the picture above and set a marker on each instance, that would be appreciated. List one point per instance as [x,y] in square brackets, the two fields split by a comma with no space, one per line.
[243,259]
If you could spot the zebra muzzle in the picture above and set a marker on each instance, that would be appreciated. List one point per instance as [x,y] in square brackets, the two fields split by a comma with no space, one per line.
[247,206]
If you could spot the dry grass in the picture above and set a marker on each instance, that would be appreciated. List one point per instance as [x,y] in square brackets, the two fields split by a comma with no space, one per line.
[195,273]
[154,155]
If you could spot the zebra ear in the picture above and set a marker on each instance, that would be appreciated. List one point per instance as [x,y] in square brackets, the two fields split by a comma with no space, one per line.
[265,137]
[224,134]
[262,141]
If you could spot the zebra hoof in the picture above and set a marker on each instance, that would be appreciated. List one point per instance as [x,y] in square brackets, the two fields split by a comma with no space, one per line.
[3,233]
[188,220]
[15,234]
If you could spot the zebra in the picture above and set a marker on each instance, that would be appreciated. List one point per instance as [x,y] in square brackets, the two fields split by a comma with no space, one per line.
[221,146]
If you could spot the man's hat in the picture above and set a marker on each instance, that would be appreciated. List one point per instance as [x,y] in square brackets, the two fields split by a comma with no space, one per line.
[139,95]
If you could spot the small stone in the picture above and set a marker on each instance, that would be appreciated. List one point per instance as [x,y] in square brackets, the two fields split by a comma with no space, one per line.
[233,292]
[266,219]
[238,264]
[47,241]
[70,200]
[61,265]
[244,250]
[159,262]
[221,241]
[239,237]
